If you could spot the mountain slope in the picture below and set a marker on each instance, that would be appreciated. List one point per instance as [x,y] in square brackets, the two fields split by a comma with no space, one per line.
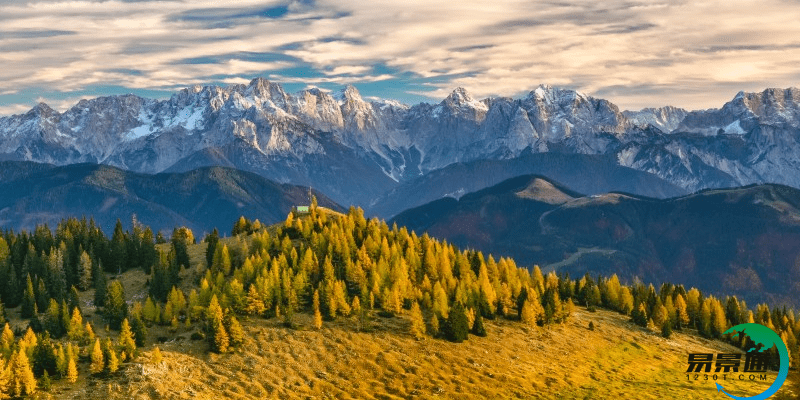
[742,241]
[590,174]
[323,139]
[200,199]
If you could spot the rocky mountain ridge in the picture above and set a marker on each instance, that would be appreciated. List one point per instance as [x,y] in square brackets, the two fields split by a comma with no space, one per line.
[325,139]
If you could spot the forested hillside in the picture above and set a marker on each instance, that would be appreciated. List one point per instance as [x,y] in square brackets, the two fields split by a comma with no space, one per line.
[320,266]
[740,241]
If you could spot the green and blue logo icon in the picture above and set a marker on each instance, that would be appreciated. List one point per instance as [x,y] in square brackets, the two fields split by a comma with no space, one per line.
[767,338]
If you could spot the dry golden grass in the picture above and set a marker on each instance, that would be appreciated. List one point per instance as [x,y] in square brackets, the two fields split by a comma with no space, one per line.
[616,360]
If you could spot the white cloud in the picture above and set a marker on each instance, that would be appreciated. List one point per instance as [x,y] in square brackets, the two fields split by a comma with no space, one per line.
[636,53]
[342,80]
[348,70]
[12,109]
[62,105]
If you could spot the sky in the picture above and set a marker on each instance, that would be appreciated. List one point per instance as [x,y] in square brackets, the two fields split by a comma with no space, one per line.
[694,54]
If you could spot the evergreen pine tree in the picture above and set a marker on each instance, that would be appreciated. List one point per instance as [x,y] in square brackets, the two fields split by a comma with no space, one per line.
[639,315]
[52,319]
[149,252]
[118,250]
[139,331]
[181,239]
[42,296]
[116,309]
[44,356]
[212,241]
[11,295]
[73,300]
[28,300]
[457,327]
[554,307]
[593,298]
[64,317]
[57,281]
[477,328]
[100,286]
[666,329]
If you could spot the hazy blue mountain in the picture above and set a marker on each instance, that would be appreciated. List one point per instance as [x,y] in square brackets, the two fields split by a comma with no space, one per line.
[201,199]
[591,174]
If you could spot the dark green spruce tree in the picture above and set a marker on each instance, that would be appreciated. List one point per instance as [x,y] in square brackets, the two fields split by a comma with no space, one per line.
[116,309]
[28,300]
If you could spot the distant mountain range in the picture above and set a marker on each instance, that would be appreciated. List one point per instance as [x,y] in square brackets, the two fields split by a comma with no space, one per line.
[591,174]
[357,151]
[743,241]
[202,199]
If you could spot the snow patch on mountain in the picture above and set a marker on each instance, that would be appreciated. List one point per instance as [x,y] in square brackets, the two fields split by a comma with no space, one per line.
[734,127]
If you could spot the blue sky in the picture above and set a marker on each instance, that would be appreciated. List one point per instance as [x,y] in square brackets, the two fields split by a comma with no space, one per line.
[692,54]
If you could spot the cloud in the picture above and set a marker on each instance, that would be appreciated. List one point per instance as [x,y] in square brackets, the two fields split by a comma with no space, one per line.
[31,34]
[64,104]
[13,109]
[636,53]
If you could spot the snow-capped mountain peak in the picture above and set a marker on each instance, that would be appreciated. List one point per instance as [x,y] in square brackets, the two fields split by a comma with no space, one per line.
[461,99]
[753,138]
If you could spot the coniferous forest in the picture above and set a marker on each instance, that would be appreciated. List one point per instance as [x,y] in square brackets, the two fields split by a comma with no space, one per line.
[320,263]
